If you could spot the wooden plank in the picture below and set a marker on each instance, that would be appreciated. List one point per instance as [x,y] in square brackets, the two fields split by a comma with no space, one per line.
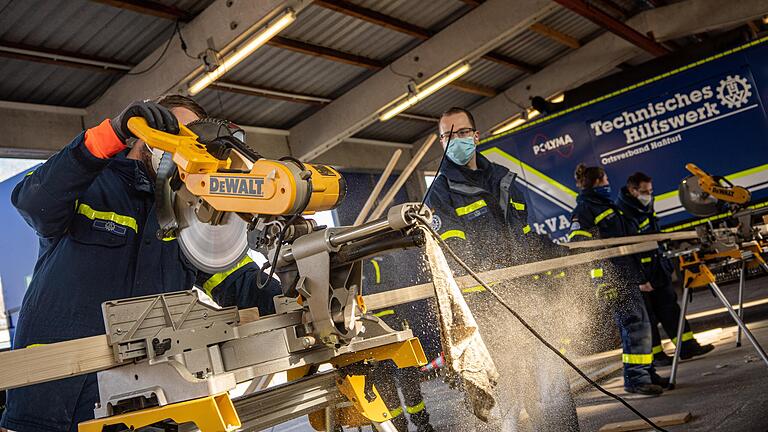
[379,186]
[638,425]
[80,356]
[616,241]
[555,35]
[60,360]
[384,204]
[423,291]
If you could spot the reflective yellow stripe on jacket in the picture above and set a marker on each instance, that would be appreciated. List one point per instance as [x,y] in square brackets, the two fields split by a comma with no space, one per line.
[218,278]
[603,215]
[582,233]
[644,223]
[87,211]
[518,206]
[461,211]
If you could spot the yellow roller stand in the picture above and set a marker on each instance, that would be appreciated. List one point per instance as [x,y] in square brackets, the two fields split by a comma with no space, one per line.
[209,414]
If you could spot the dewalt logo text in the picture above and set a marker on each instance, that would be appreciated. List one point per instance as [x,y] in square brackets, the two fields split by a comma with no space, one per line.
[239,186]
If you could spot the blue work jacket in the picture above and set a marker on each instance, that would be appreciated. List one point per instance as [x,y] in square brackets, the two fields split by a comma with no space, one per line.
[96,223]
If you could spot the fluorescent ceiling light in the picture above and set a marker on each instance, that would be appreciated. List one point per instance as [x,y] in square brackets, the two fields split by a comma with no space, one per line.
[558,98]
[422,93]
[517,121]
[276,26]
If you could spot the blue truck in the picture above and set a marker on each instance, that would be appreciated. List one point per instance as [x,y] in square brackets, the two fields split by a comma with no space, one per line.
[711,113]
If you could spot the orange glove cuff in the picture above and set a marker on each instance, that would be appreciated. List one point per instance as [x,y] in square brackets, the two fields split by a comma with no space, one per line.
[102,141]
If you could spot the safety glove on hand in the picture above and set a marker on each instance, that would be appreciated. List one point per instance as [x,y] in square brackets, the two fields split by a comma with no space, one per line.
[109,138]
[157,117]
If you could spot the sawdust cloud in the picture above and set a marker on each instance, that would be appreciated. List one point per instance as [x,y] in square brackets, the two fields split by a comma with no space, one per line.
[561,306]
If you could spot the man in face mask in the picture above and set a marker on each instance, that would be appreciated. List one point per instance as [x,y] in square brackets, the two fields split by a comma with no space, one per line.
[636,201]
[483,216]
[92,205]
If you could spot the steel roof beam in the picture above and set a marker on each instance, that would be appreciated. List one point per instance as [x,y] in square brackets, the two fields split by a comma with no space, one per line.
[146,7]
[608,51]
[466,39]
[380,19]
[614,26]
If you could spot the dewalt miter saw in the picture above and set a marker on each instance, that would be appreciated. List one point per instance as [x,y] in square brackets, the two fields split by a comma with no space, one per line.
[179,357]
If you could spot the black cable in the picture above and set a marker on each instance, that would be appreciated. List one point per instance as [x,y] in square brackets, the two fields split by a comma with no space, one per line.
[439,167]
[161,56]
[534,332]
[183,42]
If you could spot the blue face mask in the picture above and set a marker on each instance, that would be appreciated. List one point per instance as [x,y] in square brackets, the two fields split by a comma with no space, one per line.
[460,150]
[603,191]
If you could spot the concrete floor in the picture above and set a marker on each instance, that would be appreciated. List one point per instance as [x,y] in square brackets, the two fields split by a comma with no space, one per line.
[724,391]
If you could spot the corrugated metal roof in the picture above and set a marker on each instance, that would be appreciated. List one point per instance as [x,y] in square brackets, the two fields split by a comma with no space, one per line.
[331,29]
[49,84]
[424,14]
[396,129]
[572,24]
[491,74]
[436,104]
[84,27]
[252,110]
[288,70]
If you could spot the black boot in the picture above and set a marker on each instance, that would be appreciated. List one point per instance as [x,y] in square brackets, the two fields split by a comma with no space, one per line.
[661,359]
[659,380]
[694,349]
[645,389]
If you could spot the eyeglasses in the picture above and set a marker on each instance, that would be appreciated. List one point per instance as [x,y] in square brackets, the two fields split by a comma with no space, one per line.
[461,133]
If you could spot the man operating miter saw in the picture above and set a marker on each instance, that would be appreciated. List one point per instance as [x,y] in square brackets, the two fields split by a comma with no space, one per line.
[94,207]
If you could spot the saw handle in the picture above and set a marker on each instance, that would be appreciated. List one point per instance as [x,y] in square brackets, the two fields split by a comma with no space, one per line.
[189,154]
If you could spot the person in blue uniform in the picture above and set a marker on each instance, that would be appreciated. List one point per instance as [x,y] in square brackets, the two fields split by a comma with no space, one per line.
[385,272]
[92,207]
[482,215]
[636,201]
[619,281]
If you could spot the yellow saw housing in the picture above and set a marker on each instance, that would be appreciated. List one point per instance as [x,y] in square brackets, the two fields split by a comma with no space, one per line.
[269,187]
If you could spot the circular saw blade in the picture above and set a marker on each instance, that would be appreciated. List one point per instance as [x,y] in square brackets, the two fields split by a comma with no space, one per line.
[211,248]
[695,200]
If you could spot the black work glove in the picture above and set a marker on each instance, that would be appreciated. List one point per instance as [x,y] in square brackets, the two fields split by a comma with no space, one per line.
[157,116]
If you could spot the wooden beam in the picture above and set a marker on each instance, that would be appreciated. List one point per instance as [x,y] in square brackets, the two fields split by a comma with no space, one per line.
[326,53]
[612,7]
[510,62]
[477,89]
[378,18]
[419,292]
[473,3]
[616,27]
[555,35]
[375,17]
[146,7]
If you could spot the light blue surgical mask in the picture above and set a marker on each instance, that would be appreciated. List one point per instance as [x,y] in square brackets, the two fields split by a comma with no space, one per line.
[460,150]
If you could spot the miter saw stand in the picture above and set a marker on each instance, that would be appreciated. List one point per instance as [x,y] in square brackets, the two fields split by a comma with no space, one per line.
[719,247]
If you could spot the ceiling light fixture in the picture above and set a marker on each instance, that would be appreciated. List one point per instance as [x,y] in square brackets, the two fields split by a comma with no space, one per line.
[241,53]
[423,92]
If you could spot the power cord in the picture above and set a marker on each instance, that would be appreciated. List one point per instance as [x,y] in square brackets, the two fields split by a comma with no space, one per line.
[427,225]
